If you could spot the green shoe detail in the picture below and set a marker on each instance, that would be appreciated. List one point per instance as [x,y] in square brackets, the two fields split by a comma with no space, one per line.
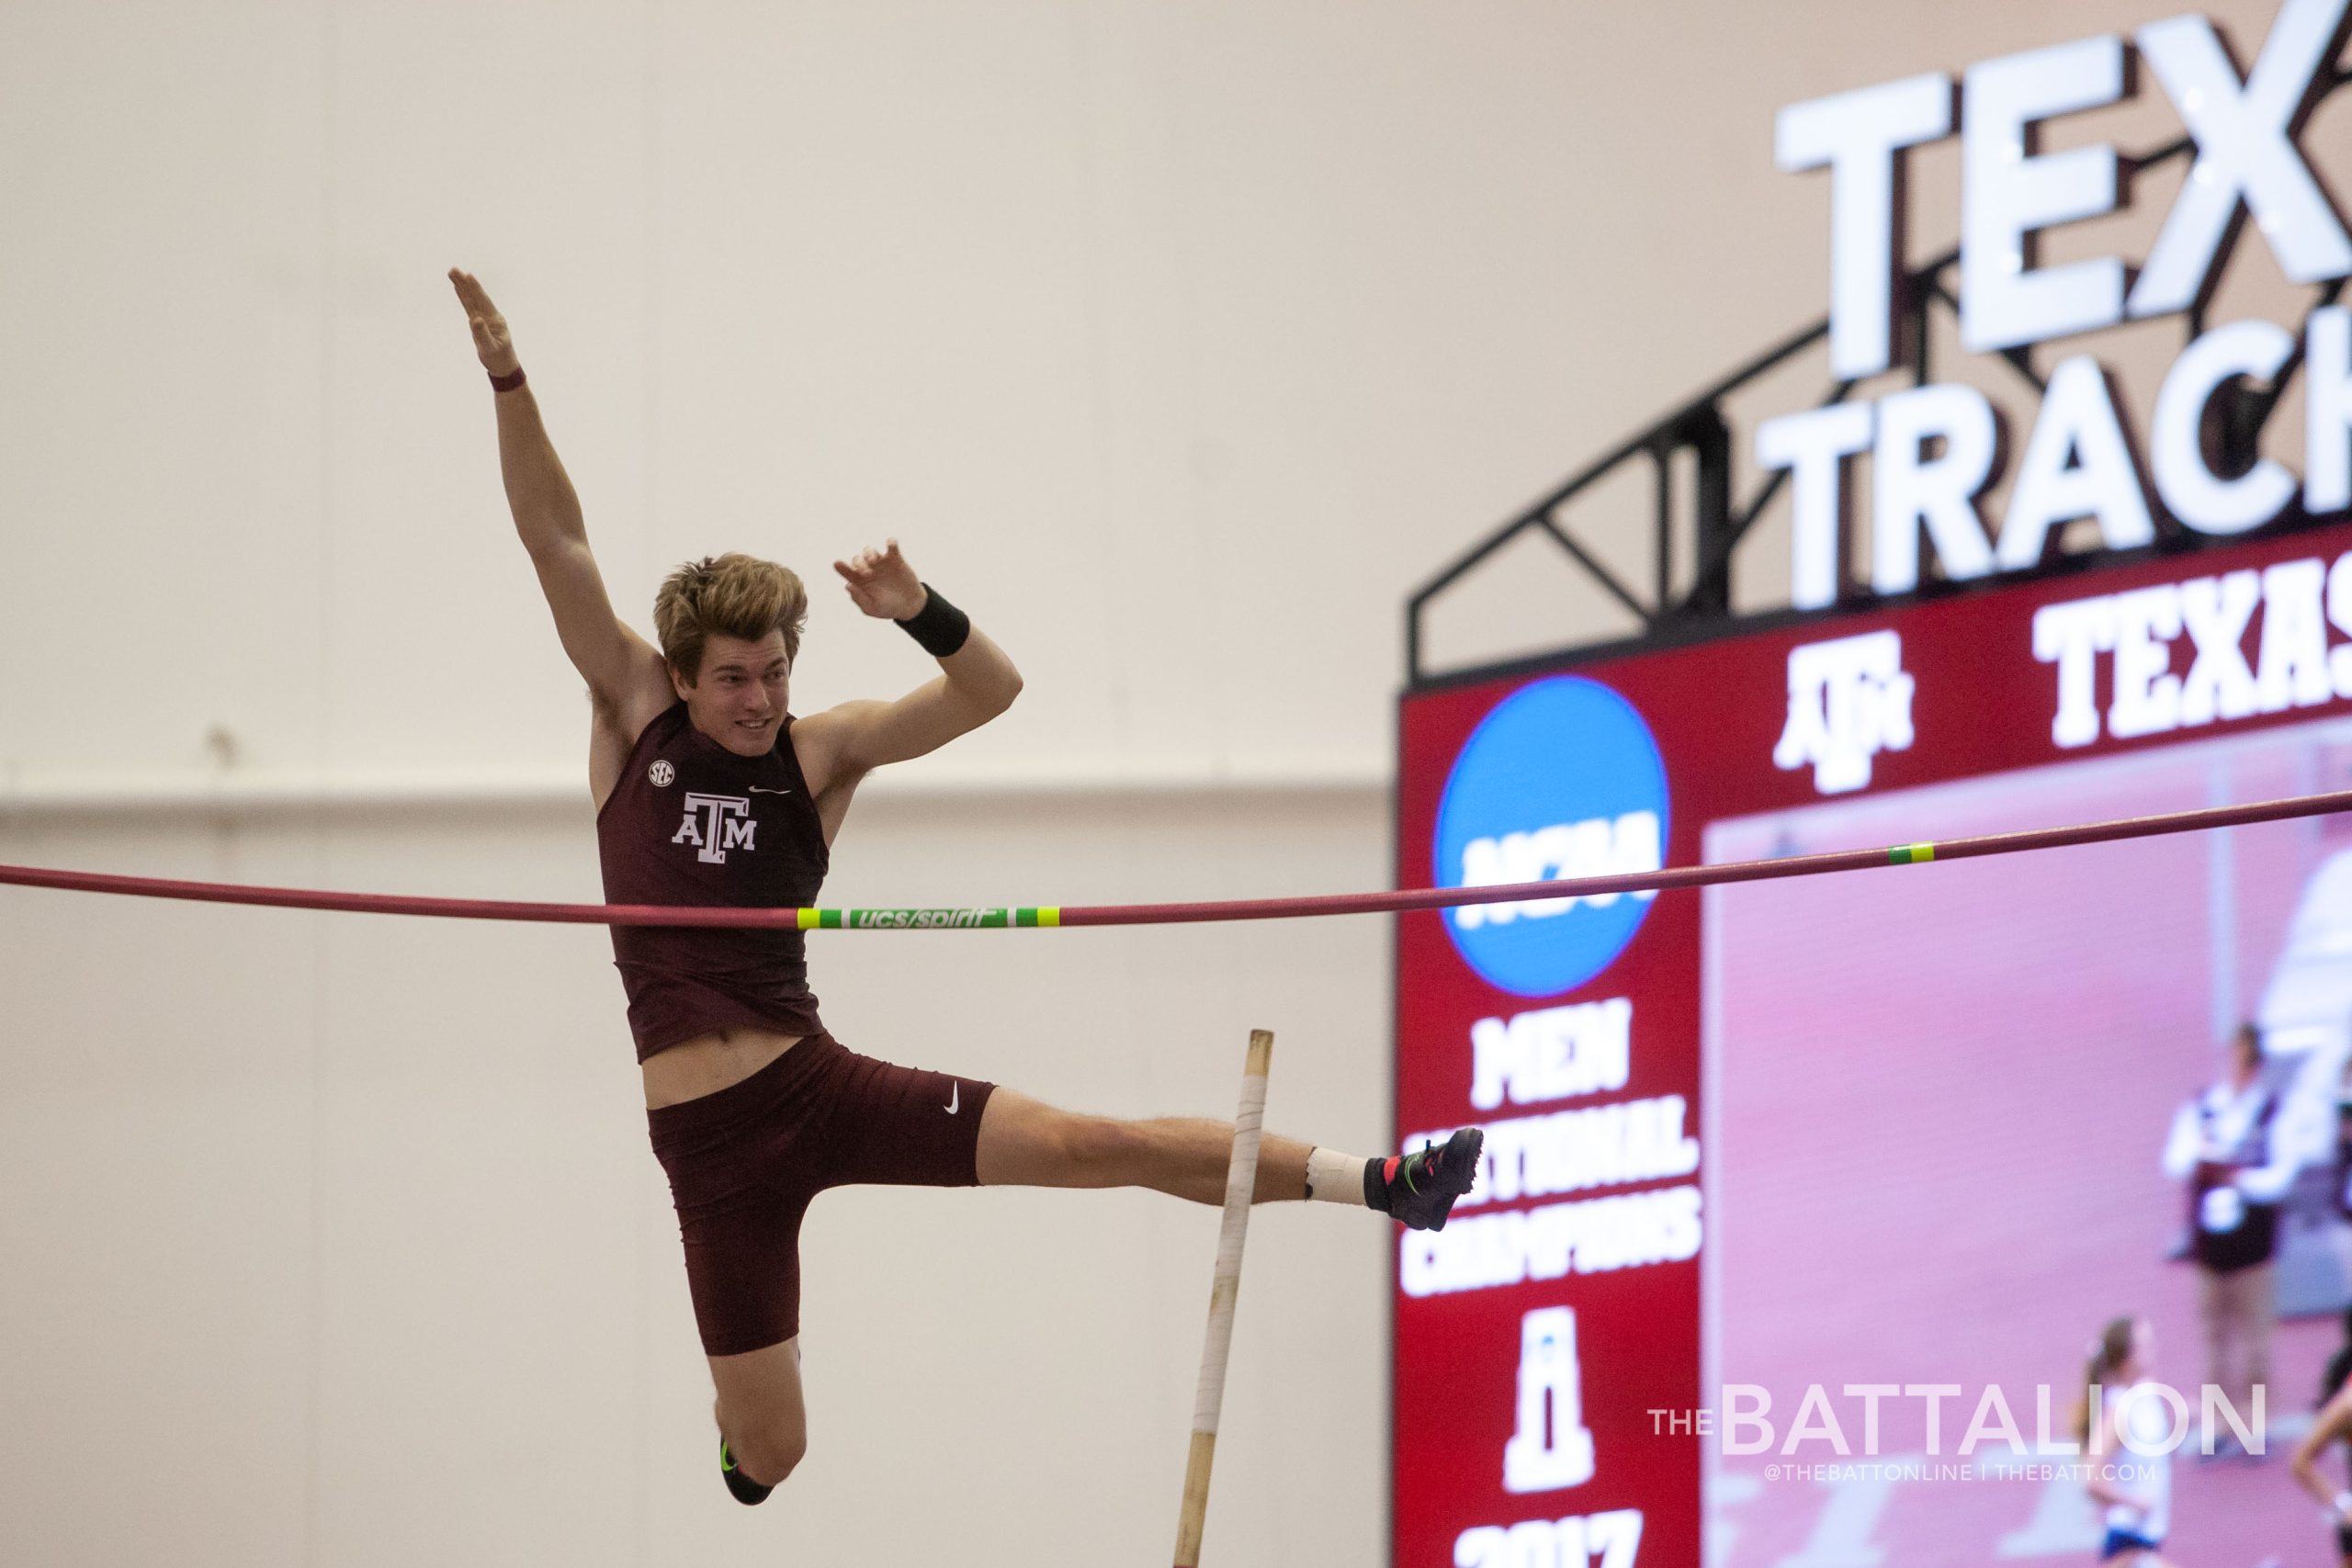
[1433,1178]
[740,1486]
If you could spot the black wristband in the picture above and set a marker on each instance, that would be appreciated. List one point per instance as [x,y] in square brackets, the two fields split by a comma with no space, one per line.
[507,382]
[939,627]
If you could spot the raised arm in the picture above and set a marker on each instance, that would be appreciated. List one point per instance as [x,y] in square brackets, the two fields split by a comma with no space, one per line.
[976,681]
[623,670]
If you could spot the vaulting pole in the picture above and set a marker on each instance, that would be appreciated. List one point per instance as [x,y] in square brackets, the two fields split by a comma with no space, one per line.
[1240,1185]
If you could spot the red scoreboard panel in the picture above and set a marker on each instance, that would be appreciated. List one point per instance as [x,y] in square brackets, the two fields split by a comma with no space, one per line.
[1847,1130]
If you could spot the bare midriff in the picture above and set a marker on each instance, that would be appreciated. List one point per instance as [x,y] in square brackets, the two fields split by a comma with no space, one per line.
[710,1063]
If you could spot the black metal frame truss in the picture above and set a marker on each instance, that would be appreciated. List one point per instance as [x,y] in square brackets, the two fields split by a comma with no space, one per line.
[1699,427]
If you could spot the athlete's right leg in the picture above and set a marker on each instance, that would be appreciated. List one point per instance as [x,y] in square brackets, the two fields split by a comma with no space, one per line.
[740,1180]
[762,1421]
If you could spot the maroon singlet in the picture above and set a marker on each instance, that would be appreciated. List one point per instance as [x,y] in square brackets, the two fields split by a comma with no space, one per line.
[692,823]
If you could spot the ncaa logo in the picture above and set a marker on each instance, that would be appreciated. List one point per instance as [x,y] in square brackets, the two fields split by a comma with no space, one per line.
[1561,779]
[660,773]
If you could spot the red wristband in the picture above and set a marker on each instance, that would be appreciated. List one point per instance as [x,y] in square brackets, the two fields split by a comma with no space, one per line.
[507,383]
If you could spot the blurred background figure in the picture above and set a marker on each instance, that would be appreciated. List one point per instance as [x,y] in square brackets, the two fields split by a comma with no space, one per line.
[2134,1483]
[2223,1146]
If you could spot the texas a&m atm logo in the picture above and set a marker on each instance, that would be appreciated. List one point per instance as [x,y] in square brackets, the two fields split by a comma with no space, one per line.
[716,824]
[1849,700]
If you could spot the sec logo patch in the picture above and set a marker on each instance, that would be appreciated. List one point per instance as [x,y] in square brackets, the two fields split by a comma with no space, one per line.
[660,773]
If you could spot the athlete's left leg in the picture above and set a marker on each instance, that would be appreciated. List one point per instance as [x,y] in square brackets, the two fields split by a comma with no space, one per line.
[910,1127]
[1026,1143]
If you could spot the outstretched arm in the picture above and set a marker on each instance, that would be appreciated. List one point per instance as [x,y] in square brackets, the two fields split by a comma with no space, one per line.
[623,670]
[976,681]
[2333,1421]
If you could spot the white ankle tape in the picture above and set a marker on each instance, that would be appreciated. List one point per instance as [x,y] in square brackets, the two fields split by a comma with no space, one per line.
[1335,1178]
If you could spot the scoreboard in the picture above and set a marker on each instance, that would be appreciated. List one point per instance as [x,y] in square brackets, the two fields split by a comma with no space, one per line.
[1896,1130]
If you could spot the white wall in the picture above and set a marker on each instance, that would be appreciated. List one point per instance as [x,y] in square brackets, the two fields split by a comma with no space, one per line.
[1177,340]
[336,1239]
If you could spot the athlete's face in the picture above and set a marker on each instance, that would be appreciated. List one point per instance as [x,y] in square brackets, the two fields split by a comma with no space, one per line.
[738,698]
[2247,1055]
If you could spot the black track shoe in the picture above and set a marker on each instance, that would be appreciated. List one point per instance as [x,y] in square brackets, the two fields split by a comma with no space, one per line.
[744,1490]
[1419,1190]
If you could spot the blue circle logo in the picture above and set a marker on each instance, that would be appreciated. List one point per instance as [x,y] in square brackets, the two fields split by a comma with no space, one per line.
[1561,779]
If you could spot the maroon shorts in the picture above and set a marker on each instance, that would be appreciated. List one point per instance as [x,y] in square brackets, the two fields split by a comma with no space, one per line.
[744,1162]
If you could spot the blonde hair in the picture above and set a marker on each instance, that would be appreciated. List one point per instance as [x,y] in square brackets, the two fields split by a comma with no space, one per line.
[735,595]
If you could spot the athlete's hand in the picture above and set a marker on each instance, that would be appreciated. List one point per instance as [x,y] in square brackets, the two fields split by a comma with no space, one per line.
[492,342]
[881,583]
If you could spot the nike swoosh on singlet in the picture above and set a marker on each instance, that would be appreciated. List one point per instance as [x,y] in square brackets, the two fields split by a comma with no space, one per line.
[757,790]
[954,1098]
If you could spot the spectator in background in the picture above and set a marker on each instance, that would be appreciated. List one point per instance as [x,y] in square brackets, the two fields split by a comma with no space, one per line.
[2223,1146]
[2344,1146]
[2120,1420]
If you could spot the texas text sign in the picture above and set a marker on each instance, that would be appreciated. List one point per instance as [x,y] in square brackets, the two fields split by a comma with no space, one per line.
[1935,449]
